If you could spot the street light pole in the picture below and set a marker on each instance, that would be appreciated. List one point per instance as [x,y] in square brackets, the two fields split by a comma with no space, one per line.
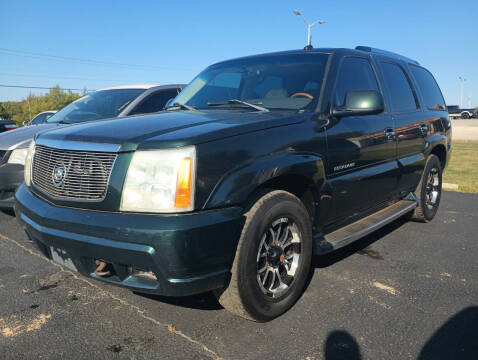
[309,26]
[462,85]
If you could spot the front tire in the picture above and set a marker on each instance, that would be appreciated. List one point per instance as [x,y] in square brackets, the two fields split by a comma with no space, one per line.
[429,191]
[465,116]
[272,260]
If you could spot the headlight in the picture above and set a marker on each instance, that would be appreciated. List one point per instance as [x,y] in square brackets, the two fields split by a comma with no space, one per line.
[160,181]
[18,156]
[28,163]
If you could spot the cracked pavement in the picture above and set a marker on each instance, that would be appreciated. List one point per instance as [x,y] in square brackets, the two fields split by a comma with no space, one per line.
[408,291]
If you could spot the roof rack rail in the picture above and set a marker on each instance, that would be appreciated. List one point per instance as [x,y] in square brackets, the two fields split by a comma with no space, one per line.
[385,52]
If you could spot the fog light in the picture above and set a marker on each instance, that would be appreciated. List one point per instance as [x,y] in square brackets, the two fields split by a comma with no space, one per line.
[143,273]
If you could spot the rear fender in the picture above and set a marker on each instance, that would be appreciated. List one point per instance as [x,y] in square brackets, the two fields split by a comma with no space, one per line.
[435,141]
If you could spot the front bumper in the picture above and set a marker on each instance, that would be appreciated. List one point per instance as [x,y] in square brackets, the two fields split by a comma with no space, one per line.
[188,253]
[11,176]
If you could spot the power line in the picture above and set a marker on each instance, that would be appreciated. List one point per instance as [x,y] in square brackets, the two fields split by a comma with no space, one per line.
[13,52]
[63,77]
[41,87]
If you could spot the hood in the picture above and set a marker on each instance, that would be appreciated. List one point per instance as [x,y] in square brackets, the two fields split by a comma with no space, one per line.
[21,137]
[171,129]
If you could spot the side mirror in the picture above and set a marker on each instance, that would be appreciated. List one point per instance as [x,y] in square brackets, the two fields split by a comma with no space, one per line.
[363,102]
[25,123]
[169,103]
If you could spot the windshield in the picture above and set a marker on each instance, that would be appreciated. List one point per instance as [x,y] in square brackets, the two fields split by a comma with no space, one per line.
[274,82]
[96,105]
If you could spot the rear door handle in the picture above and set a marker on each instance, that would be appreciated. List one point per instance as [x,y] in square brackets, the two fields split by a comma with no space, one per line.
[389,134]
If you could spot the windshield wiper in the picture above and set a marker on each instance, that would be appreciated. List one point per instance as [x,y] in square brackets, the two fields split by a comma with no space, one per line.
[181,106]
[238,102]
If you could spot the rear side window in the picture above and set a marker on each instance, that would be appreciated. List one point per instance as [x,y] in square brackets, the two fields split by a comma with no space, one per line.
[155,102]
[429,88]
[355,74]
[401,93]
[40,119]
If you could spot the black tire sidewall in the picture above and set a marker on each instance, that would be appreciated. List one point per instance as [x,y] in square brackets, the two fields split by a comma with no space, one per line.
[428,213]
[255,301]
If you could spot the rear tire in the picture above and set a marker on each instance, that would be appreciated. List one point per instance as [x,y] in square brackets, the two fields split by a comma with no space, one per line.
[465,116]
[429,191]
[272,260]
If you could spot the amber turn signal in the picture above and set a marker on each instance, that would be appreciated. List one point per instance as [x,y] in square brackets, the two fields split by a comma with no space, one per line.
[183,184]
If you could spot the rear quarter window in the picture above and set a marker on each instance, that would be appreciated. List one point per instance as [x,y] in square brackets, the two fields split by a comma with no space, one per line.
[429,88]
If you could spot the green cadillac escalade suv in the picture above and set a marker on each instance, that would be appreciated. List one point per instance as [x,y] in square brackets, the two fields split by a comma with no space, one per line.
[259,163]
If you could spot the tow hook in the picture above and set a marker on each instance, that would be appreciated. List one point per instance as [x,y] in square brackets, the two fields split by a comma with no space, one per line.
[100,270]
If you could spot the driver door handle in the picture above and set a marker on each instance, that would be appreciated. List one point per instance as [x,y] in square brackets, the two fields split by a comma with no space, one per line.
[389,134]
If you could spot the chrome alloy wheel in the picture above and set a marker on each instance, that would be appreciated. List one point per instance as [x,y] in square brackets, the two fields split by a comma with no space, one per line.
[432,189]
[278,257]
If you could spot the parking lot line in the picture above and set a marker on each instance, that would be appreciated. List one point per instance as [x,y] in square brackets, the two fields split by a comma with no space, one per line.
[212,354]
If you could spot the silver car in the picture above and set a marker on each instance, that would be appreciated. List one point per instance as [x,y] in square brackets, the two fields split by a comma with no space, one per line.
[101,104]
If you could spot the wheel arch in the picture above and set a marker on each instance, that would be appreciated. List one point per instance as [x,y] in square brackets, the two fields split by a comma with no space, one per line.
[440,151]
[301,174]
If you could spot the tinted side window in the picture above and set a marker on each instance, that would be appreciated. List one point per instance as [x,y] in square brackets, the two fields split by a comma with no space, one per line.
[429,88]
[39,119]
[155,102]
[401,93]
[355,74]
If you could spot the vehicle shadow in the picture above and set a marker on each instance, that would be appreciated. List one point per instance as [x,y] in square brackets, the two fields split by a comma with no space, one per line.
[8,212]
[340,345]
[204,301]
[359,246]
[456,339]
[207,301]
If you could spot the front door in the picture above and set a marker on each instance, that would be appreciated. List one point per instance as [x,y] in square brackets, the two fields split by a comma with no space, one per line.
[362,168]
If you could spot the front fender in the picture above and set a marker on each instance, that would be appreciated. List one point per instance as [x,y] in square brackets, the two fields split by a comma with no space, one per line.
[238,184]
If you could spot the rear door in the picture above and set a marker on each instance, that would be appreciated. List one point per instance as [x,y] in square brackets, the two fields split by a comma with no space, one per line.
[361,167]
[410,125]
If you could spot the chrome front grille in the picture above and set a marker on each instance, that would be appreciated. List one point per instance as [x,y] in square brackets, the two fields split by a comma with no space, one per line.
[72,174]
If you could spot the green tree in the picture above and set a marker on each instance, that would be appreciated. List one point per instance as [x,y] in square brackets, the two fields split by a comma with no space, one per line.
[29,107]
[8,109]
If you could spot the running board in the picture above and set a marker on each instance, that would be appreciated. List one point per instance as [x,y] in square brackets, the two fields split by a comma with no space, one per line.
[348,234]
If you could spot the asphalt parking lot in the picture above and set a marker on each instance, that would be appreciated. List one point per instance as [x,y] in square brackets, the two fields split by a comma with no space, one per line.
[408,291]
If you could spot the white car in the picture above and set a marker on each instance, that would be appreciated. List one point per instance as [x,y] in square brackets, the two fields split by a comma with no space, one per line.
[106,103]
[41,118]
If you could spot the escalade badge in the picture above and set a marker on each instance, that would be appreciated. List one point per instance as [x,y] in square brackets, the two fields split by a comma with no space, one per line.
[344,166]
[58,174]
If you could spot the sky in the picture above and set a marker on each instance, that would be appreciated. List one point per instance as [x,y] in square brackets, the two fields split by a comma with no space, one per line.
[115,42]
